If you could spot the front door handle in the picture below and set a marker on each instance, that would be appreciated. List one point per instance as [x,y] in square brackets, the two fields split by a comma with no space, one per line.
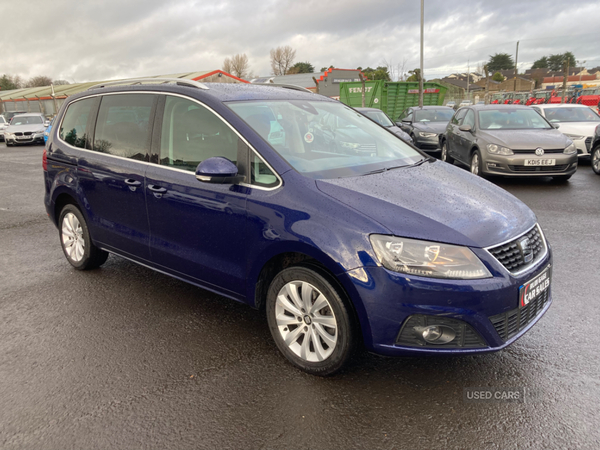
[131,182]
[157,189]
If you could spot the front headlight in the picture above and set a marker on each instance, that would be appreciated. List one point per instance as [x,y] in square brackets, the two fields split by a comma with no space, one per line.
[573,137]
[498,150]
[571,149]
[427,259]
[8,135]
[353,145]
[427,135]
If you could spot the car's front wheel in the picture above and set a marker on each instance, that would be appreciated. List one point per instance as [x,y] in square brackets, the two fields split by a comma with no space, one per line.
[476,163]
[309,320]
[595,160]
[445,156]
[76,242]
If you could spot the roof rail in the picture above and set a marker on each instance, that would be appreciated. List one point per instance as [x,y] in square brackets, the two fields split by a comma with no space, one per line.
[286,86]
[133,81]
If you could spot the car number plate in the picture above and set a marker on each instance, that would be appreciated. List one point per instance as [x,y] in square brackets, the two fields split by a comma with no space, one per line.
[540,162]
[535,287]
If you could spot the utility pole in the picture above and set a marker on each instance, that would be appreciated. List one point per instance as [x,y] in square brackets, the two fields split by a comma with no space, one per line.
[468,76]
[421,74]
[487,85]
[565,78]
[516,65]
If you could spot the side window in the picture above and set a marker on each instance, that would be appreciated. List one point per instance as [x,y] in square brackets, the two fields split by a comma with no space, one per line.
[261,175]
[457,119]
[73,127]
[123,125]
[191,133]
[469,118]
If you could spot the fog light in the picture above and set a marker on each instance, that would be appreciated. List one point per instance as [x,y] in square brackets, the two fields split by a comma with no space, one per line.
[491,165]
[435,334]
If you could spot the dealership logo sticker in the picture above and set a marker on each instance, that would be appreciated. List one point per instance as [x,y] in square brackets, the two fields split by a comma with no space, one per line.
[309,137]
[539,151]
[494,395]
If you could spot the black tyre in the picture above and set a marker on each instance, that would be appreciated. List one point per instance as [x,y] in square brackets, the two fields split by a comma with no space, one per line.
[9,144]
[444,155]
[595,160]
[561,178]
[309,320]
[476,163]
[76,242]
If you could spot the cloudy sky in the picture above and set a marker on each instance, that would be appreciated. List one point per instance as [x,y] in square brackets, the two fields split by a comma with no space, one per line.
[81,40]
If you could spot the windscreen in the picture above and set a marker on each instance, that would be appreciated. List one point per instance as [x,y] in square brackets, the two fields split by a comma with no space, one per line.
[511,119]
[433,115]
[583,114]
[26,120]
[380,118]
[322,139]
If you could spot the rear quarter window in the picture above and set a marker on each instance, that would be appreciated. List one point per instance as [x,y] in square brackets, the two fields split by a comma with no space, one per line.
[73,129]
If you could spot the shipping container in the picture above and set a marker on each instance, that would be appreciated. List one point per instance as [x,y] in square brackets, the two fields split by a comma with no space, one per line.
[392,97]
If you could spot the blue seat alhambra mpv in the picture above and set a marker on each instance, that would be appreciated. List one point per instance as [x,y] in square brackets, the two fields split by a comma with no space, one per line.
[299,206]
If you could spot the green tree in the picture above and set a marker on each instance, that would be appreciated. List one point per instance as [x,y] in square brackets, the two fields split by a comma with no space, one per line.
[500,61]
[323,69]
[498,77]
[541,63]
[556,62]
[416,75]
[380,73]
[301,67]
[7,83]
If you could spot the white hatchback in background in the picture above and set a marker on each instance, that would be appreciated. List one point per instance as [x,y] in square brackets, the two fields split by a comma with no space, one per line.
[577,122]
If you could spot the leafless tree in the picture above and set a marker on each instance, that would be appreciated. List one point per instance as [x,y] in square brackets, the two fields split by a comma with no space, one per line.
[60,82]
[282,59]
[237,65]
[39,81]
[398,71]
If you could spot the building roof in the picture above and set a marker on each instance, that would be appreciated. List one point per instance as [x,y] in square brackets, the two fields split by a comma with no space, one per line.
[461,84]
[301,79]
[64,90]
[572,78]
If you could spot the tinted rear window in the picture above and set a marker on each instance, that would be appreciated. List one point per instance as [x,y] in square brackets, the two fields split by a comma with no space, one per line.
[73,127]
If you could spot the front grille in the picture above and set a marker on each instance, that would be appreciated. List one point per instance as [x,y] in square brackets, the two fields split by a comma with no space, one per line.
[588,143]
[532,152]
[18,133]
[466,337]
[510,255]
[508,324]
[534,169]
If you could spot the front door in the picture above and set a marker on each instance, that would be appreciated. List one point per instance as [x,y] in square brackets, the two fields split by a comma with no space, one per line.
[198,230]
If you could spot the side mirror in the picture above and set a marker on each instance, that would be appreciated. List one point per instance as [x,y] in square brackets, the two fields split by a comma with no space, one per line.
[406,120]
[46,123]
[468,128]
[218,170]
[555,125]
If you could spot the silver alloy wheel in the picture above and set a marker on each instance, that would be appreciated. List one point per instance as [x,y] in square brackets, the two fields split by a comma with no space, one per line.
[444,151]
[475,164]
[596,160]
[72,237]
[306,321]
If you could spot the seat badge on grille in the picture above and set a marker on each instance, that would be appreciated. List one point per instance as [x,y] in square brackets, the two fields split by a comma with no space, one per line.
[539,151]
[525,249]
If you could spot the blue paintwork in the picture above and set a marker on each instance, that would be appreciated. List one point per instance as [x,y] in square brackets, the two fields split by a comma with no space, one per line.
[220,236]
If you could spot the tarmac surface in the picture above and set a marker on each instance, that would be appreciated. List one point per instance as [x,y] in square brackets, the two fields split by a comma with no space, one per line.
[127,358]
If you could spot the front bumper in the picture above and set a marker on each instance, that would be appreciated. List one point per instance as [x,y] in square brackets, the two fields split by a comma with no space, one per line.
[389,299]
[26,140]
[514,165]
[427,144]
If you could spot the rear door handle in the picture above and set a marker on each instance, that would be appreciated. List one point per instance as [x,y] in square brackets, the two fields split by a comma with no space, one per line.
[131,182]
[157,189]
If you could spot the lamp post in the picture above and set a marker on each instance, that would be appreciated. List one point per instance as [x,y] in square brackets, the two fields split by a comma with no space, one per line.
[421,67]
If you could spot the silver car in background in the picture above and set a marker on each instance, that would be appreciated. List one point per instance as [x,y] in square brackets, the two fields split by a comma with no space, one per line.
[3,126]
[509,140]
[577,122]
[26,129]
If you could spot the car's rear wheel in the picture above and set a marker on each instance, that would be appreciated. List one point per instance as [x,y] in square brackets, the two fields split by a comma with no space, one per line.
[445,156]
[476,163]
[595,160]
[309,320]
[76,242]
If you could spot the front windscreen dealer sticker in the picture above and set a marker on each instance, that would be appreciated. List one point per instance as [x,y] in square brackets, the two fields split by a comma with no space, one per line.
[309,137]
